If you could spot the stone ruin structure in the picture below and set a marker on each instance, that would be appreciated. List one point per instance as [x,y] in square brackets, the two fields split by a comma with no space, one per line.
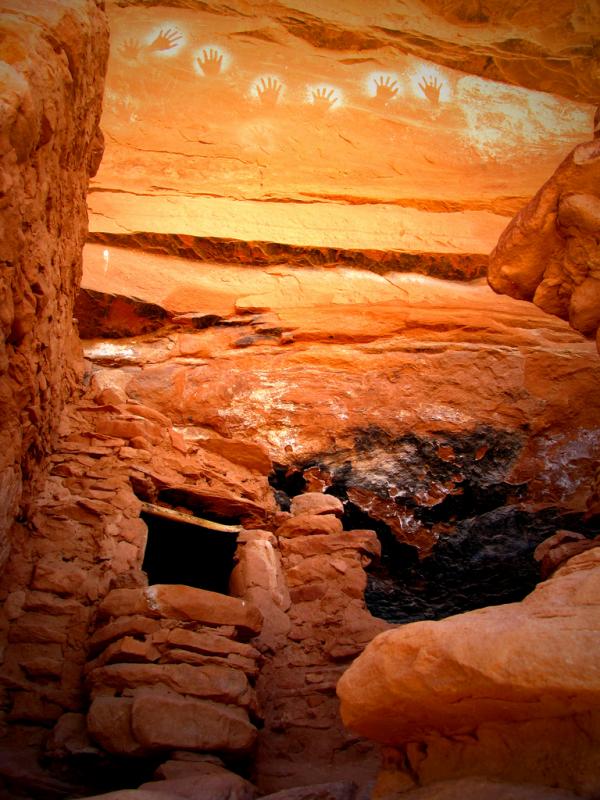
[294,505]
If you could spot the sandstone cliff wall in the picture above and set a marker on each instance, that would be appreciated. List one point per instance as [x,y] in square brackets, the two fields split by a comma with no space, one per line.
[52,62]
[549,253]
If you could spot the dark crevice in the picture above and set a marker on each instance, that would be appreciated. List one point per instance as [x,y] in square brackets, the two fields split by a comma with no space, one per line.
[185,554]
[487,560]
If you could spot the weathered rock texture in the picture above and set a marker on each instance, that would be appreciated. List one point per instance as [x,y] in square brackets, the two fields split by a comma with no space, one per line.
[296,161]
[368,377]
[321,624]
[511,692]
[183,778]
[462,422]
[53,58]
[78,622]
[550,252]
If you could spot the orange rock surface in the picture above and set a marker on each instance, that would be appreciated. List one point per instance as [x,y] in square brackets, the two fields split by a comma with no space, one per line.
[549,253]
[304,415]
[304,362]
[448,693]
[332,126]
[50,146]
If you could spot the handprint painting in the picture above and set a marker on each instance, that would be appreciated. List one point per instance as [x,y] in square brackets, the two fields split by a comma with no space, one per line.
[246,107]
[211,61]
[269,90]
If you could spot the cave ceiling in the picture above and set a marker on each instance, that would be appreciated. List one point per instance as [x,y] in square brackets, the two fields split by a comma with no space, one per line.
[340,124]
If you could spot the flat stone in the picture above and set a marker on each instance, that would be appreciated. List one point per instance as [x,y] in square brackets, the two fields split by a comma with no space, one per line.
[183,602]
[122,626]
[162,720]
[109,724]
[365,541]
[209,642]
[212,682]
[310,525]
[340,790]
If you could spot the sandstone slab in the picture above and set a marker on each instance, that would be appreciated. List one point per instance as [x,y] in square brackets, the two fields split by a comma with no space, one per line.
[169,721]
[109,724]
[212,682]
[269,178]
[303,525]
[185,603]
[316,503]
[340,790]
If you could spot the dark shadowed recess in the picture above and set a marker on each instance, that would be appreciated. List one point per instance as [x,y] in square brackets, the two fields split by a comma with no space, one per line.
[485,533]
[487,560]
[186,554]
[178,552]
[452,266]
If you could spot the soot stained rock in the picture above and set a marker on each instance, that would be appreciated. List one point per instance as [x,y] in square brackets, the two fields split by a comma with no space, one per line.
[417,486]
[414,465]
[487,560]
[456,532]
[102,314]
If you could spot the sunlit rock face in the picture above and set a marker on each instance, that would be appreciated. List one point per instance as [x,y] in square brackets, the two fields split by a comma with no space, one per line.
[52,61]
[332,128]
[286,283]
[461,424]
[550,252]
[509,692]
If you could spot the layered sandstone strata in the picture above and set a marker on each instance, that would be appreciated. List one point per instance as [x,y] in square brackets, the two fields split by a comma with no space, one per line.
[53,60]
[328,128]
[369,377]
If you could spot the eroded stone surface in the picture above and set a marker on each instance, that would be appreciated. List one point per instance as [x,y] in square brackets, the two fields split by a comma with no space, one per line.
[54,58]
[370,379]
[435,683]
[85,542]
[549,253]
[182,602]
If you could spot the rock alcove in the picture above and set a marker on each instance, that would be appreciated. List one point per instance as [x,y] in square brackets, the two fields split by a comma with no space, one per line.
[286,422]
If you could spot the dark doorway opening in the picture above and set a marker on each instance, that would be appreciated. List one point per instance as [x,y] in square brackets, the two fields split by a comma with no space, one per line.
[177,552]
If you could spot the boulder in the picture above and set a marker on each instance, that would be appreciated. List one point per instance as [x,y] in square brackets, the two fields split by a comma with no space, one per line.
[316,503]
[554,551]
[549,251]
[511,691]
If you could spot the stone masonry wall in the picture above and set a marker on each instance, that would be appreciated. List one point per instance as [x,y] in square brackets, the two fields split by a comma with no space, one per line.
[52,63]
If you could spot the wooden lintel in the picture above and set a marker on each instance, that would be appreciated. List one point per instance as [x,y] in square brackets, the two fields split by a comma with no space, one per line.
[178,516]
